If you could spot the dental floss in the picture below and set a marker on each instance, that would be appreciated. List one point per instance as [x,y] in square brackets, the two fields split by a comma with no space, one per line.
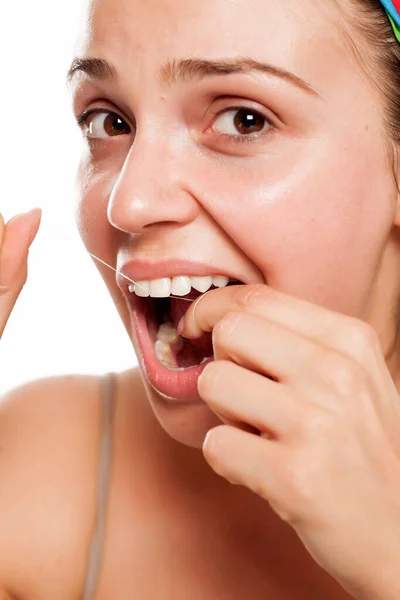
[54,229]
[131,280]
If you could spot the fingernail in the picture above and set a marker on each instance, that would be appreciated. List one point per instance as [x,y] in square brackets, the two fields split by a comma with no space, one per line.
[37,209]
[34,210]
[181,326]
[21,215]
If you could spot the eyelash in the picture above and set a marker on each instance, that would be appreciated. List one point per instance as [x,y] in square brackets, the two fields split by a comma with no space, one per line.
[240,138]
[81,119]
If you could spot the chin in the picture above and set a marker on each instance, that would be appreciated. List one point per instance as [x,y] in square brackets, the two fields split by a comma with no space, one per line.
[187,422]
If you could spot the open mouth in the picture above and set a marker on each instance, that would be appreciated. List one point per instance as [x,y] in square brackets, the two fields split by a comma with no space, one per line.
[171,364]
[173,351]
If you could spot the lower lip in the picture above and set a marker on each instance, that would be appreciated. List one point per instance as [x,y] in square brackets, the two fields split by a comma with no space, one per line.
[173,384]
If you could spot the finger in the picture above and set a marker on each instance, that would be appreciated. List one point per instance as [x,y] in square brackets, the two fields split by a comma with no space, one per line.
[237,395]
[344,334]
[17,236]
[264,347]
[2,228]
[245,459]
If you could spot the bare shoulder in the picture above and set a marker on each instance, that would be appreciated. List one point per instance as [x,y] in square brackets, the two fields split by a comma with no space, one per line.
[49,442]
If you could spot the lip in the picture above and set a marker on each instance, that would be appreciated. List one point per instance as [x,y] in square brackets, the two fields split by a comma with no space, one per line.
[173,385]
[139,270]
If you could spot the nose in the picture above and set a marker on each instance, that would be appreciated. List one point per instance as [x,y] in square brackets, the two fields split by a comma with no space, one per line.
[152,189]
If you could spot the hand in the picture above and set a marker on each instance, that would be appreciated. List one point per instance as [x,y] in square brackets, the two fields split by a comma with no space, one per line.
[15,240]
[314,385]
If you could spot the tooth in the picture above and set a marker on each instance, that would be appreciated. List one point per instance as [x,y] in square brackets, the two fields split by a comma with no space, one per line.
[205,359]
[220,281]
[168,334]
[178,286]
[160,288]
[141,289]
[131,288]
[165,355]
[201,284]
[181,286]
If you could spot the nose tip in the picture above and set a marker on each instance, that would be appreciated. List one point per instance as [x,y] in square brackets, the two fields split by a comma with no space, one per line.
[151,192]
[134,212]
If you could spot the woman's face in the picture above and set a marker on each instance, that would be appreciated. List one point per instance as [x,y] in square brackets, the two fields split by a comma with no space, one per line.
[274,173]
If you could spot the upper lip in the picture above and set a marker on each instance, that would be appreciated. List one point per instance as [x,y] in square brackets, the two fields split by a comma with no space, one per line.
[137,270]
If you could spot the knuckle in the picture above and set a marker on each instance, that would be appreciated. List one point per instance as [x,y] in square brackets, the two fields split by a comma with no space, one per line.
[362,338]
[343,372]
[225,327]
[250,295]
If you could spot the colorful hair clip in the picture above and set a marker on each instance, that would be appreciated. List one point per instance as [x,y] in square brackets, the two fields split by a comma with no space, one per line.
[392,8]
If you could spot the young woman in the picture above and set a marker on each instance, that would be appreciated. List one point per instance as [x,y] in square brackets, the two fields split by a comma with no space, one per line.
[241,175]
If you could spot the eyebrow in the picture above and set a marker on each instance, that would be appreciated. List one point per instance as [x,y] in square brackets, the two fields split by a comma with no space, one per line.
[189,70]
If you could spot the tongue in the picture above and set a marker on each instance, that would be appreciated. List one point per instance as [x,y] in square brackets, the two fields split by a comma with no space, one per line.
[178,309]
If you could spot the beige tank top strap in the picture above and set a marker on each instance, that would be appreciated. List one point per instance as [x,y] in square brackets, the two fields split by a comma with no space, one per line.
[97,543]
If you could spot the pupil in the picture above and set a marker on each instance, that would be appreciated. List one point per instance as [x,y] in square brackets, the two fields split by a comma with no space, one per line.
[249,122]
[114,125]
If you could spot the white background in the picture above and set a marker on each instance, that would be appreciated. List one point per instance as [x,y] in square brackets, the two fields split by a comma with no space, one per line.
[64,320]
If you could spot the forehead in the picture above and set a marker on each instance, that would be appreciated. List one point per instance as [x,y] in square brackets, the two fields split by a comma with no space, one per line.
[298,35]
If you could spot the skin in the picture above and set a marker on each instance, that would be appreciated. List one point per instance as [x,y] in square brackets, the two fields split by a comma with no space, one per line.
[305,185]
[308,214]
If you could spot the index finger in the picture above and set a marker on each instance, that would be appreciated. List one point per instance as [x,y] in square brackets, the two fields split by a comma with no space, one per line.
[343,333]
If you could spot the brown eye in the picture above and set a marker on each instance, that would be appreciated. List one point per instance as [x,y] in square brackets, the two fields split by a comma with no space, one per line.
[243,121]
[104,125]
[114,125]
[247,121]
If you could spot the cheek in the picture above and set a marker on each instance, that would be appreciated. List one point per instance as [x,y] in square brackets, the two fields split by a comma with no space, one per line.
[93,191]
[100,239]
[315,228]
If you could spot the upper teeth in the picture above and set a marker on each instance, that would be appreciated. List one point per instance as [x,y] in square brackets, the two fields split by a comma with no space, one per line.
[177,286]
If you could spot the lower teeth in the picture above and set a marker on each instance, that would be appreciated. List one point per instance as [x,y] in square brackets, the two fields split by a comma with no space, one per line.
[166,336]
[165,355]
